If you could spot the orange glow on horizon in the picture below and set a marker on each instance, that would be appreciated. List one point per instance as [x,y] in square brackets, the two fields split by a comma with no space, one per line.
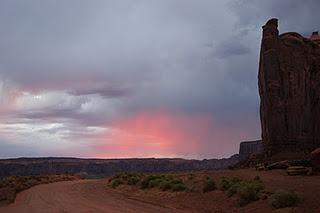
[157,134]
[168,134]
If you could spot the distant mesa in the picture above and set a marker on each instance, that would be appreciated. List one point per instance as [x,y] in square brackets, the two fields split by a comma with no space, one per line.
[247,148]
[289,88]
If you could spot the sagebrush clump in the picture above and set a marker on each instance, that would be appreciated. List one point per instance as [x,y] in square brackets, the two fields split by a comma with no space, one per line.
[208,184]
[284,198]
[163,182]
[125,178]
[246,190]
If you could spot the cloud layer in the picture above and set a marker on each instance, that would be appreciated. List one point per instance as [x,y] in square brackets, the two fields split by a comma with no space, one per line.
[139,78]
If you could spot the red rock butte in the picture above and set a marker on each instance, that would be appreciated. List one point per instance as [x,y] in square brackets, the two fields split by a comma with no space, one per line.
[289,88]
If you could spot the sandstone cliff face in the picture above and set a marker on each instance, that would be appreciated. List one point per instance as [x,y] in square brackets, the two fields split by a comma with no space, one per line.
[289,87]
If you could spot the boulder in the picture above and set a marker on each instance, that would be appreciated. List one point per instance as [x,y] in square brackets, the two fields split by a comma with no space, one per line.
[279,165]
[315,158]
[297,170]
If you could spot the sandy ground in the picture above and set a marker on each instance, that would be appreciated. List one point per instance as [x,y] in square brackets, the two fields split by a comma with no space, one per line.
[97,196]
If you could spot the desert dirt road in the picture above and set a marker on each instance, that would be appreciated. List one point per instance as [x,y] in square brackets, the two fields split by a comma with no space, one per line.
[79,196]
[98,196]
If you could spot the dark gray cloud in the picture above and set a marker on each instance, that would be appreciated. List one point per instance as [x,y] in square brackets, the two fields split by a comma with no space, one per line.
[107,91]
[229,49]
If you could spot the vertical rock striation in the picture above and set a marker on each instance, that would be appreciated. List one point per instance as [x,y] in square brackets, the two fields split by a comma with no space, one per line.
[289,88]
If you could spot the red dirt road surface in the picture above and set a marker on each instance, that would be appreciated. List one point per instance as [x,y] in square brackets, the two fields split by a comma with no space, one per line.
[78,196]
[98,196]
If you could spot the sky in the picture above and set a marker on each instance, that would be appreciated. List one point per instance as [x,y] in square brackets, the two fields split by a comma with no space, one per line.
[142,78]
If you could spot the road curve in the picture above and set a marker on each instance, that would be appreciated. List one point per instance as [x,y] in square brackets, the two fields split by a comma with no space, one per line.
[78,196]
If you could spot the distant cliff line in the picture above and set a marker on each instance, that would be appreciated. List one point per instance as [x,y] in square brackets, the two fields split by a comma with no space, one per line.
[106,167]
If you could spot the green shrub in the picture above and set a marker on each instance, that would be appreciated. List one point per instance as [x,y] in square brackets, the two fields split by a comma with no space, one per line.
[165,185]
[146,181]
[176,181]
[126,178]
[257,178]
[133,180]
[144,184]
[178,187]
[155,182]
[233,189]
[208,185]
[227,182]
[163,182]
[151,178]
[249,192]
[38,178]
[283,198]
[191,176]
[116,182]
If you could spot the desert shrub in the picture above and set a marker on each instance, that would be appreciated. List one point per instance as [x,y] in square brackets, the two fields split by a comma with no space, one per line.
[283,198]
[155,182]
[208,185]
[11,179]
[176,184]
[125,178]
[178,187]
[7,194]
[176,181]
[146,181]
[133,180]
[163,182]
[116,182]
[233,189]
[190,176]
[38,178]
[257,178]
[247,190]
[165,185]
[144,184]
[227,182]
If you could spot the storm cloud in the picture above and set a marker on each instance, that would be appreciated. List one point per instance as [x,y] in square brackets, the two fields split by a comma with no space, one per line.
[91,77]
